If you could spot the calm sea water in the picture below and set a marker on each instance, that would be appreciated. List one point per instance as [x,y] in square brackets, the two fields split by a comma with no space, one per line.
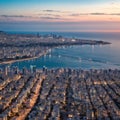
[85,56]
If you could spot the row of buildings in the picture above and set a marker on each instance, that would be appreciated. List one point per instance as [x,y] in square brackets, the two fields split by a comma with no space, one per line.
[8,70]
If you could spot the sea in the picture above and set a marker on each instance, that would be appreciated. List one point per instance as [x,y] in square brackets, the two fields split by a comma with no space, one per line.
[78,56]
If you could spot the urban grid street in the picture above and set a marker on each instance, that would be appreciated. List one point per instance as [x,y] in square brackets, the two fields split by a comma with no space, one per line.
[60,94]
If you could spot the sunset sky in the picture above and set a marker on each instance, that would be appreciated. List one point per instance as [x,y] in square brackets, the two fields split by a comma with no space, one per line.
[60,15]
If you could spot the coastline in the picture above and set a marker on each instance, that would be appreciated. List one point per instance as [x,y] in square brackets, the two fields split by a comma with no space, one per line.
[47,51]
[49,41]
[24,59]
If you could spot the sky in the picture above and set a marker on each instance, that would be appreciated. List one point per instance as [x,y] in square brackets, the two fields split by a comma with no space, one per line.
[60,15]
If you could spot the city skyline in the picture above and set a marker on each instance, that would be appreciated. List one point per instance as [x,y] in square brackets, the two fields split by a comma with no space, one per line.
[71,16]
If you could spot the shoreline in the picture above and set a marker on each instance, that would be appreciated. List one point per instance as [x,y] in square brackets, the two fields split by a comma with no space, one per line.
[45,41]
[24,59]
[46,52]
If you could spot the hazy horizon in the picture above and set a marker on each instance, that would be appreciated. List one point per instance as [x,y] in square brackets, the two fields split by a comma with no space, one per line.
[63,16]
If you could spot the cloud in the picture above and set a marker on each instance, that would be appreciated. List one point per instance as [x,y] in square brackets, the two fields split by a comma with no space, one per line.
[55,11]
[98,14]
[48,14]
[51,11]
[80,14]
[50,18]
[14,16]
[115,14]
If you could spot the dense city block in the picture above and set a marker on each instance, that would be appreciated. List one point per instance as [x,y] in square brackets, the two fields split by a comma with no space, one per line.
[60,94]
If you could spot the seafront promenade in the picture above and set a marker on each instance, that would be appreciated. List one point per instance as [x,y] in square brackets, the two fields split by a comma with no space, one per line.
[10,61]
[60,94]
